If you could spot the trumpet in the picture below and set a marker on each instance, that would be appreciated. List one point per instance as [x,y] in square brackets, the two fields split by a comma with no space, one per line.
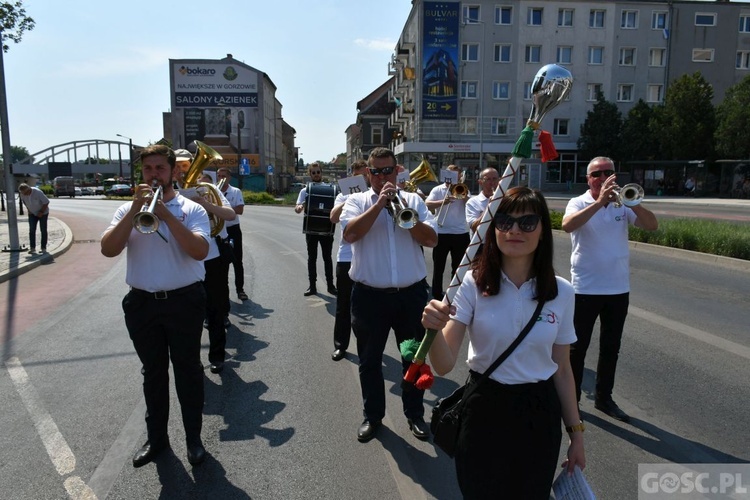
[145,222]
[405,217]
[629,195]
[458,191]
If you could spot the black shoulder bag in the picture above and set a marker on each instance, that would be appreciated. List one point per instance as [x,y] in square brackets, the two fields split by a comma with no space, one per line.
[446,414]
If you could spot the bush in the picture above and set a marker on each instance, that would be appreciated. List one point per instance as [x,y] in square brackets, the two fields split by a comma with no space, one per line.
[717,238]
[263,198]
[46,189]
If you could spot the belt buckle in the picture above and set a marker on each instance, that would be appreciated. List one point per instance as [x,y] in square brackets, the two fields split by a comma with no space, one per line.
[161,295]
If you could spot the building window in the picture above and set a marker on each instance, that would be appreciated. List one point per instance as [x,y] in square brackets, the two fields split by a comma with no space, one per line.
[469,89]
[526,91]
[564,55]
[560,126]
[534,16]
[743,59]
[596,55]
[703,55]
[471,14]
[629,19]
[655,93]
[499,126]
[467,125]
[596,18]
[503,15]
[659,20]
[502,53]
[500,90]
[533,53]
[625,92]
[657,57]
[593,90]
[705,19]
[627,56]
[470,52]
[377,134]
[565,18]
[744,24]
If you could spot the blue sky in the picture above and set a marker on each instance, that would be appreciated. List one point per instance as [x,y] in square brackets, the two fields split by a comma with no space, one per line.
[92,69]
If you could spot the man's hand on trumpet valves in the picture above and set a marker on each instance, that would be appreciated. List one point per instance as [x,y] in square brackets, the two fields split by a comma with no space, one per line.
[387,193]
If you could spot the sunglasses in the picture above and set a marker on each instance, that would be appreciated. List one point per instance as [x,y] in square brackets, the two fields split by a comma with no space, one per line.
[316,172]
[599,173]
[381,171]
[526,223]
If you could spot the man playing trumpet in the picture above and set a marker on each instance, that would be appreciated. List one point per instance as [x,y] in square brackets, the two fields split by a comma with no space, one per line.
[164,308]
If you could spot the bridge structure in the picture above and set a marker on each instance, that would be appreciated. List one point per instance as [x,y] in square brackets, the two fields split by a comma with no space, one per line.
[85,160]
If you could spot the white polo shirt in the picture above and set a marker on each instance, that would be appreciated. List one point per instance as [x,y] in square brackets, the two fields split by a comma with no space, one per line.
[345,248]
[235,199]
[600,257]
[213,247]
[452,215]
[475,208]
[494,322]
[155,264]
[386,256]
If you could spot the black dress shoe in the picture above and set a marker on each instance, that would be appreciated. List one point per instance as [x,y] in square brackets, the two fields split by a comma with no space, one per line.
[608,406]
[310,291]
[338,354]
[217,367]
[418,428]
[367,430]
[147,453]
[196,453]
[332,290]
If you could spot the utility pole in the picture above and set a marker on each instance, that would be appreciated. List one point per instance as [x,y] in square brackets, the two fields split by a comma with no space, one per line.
[10,185]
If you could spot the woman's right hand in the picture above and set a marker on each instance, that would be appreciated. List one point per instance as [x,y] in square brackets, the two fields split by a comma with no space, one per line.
[436,314]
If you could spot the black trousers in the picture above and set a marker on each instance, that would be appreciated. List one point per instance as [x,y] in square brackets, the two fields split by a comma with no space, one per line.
[326,247]
[611,311]
[42,222]
[453,244]
[235,234]
[217,307]
[162,329]
[374,314]
[342,326]
[509,441]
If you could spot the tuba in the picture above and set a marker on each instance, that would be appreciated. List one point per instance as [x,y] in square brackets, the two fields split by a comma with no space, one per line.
[422,173]
[203,156]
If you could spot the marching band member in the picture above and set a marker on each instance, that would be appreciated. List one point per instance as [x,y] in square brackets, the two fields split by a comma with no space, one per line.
[390,286]
[488,181]
[164,308]
[236,200]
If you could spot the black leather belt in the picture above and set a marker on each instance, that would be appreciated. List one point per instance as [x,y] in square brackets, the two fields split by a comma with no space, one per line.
[165,294]
[421,282]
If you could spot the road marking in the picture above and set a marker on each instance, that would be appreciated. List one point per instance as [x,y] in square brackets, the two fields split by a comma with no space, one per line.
[57,448]
[694,333]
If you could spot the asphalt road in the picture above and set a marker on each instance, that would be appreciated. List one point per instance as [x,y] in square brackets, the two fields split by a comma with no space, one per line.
[280,421]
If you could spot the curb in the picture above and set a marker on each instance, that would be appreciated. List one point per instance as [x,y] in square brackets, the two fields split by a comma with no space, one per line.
[44,259]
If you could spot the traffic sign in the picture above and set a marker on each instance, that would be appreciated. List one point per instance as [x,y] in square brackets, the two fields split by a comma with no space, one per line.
[244,166]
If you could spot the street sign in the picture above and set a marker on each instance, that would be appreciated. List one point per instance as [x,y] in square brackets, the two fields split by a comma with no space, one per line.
[244,166]
[270,168]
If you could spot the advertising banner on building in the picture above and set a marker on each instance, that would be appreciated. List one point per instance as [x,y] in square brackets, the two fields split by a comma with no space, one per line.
[214,85]
[440,70]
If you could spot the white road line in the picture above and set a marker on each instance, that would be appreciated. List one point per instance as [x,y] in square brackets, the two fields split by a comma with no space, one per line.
[57,448]
[694,333]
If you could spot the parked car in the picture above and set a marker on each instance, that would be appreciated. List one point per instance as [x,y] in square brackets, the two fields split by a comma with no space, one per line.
[78,191]
[120,190]
[87,191]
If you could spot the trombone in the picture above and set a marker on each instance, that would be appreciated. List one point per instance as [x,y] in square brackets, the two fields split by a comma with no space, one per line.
[404,216]
[458,191]
[145,222]
[629,195]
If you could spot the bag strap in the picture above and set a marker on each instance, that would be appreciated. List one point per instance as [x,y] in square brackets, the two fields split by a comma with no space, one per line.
[507,351]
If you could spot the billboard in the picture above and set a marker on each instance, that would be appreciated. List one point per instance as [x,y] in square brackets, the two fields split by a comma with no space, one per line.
[440,61]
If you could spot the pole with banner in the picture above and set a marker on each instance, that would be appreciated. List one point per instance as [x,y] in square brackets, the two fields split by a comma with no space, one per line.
[551,85]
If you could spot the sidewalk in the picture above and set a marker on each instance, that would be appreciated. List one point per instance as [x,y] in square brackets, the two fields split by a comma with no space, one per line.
[12,264]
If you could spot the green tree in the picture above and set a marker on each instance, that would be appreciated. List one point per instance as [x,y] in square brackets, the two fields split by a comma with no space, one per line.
[638,140]
[601,133]
[733,122]
[13,22]
[687,120]
[17,154]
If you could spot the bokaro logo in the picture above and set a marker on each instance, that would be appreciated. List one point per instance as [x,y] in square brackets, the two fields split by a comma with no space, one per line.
[230,73]
[196,71]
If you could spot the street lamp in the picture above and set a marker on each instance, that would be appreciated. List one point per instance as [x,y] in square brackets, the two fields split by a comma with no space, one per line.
[10,188]
[130,155]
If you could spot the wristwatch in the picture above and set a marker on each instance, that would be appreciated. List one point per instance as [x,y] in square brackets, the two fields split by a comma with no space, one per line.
[579,427]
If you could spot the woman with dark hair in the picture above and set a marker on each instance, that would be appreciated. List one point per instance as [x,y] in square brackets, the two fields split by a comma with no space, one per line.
[510,434]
